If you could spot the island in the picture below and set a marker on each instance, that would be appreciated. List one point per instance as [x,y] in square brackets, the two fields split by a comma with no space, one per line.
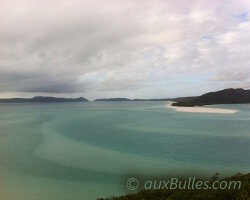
[42,99]
[114,99]
[226,96]
[178,99]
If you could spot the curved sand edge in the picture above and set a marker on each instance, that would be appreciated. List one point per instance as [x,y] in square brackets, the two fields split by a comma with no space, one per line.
[199,109]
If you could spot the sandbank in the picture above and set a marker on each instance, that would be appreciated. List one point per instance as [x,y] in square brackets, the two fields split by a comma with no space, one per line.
[199,109]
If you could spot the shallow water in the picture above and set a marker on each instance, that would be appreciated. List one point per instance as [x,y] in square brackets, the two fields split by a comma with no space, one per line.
[86,150]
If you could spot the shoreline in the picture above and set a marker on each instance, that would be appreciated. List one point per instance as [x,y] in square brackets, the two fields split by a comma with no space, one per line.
[198,109]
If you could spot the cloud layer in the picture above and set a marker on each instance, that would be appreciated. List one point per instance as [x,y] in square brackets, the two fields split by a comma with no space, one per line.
[110,48]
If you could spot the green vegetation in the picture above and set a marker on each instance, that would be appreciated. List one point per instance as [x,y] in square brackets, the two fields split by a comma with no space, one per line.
[227,194]
[227,96]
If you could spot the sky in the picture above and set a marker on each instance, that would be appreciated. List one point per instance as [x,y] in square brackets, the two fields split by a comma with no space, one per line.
[123,48]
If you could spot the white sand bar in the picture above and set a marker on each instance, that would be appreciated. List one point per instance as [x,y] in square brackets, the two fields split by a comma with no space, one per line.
[198,109]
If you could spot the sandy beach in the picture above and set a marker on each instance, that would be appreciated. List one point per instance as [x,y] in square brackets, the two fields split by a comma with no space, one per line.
[198,109]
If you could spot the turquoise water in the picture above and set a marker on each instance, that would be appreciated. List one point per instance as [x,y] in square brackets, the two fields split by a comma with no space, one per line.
[86,150]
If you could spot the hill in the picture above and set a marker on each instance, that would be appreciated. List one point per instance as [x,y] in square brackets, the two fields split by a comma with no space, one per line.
[114,99]
[165,99]
[226,96]
[40,99]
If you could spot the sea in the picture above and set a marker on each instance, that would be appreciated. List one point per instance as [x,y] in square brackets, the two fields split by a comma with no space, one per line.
[87,150]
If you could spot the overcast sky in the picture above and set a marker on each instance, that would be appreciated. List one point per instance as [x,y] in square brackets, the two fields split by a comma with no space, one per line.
[123,48]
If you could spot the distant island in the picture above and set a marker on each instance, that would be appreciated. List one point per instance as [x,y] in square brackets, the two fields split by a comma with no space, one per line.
[226,96]
[114,99]
[41,99]
[126,99]
[164,99]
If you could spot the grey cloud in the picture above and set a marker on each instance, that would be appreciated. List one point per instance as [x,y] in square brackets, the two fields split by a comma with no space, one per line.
[40,83]
[84,46]
[232,75]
